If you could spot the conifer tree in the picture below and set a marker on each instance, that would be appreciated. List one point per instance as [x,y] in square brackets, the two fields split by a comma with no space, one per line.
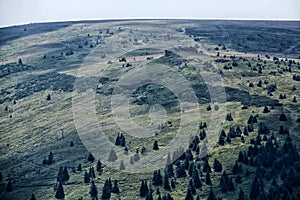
[122,140]
[9,186]
[211,195]
[157,178]
[144,189]
[255,189]
[99,167]
[94,191]
[159,197]
[60,194]
[117,142]
[245,132]
[112,156]
[79,168]
[173,184]
[196,179]
[86,177]
[66,175]
[282,117]
[294,100]
[115,188]
[224,182]
[191,169]
[221,140]
[106,190]
[149,195]
[241,195]
[207,178]
[202,135]
[189,194]
[91,158]
[155,145]
[230,185]
[206,166]
[192,186]
[166,182]
[266,109]
[32,197]
[122,165]
[217,166]
[180,172]
[92,173]
[136,156]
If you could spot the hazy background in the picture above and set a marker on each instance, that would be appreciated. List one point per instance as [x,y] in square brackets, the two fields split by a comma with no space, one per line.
[14,12]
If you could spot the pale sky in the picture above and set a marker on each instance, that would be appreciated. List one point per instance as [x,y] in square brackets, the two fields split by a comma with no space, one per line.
[13,12]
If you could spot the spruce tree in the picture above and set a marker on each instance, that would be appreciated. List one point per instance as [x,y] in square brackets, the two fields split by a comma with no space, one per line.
[60,176]
[157,178]
[131,160]
[136,156]
[241,195]
[48,97]
[166,182]
[159,197]
[238,179]
[91,158]
[192,186]
[170,170]
[221,140]
[206,166]
[282,117]
[149,196]
[92,173]
[196,179]
[230,185]
[99,167]
[255,189]
[224,182]
[79,167]
[191,169]
[173,184]
[245,132]
[106,190]
[155,145]
[122,165]
[32,197]
[60,194]
[122,140]
[207,179]
[236,168]
[217,166]
[115,188]
[180,172]
[144,189]
[189,194]
[294,100]
[211,195]
[66,175]
[9,186]
[94,191]
[112,156]
[86,177]
[117,143]
[266,109]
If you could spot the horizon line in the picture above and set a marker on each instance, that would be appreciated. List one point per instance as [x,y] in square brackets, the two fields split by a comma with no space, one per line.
[145,18]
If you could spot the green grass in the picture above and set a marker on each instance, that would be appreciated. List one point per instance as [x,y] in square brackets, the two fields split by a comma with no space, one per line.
[35,127]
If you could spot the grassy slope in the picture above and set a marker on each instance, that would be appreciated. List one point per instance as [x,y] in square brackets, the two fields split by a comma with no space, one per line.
[35,127]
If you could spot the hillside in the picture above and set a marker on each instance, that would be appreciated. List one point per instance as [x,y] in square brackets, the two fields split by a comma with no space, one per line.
[188,109]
